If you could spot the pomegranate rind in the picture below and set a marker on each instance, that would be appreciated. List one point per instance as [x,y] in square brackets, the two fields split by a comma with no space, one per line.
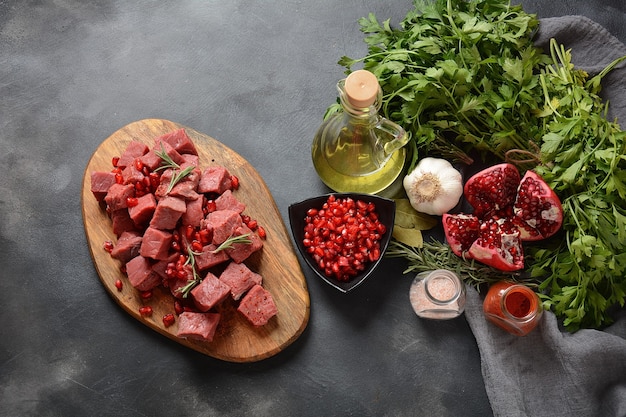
[499,245]
[545,216]
[492,189]
[468,225]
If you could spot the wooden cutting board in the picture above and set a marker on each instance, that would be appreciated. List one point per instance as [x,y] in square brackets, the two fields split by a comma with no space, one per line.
[235,340]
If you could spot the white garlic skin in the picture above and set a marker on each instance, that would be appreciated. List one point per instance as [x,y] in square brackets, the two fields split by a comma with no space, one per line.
[434,187]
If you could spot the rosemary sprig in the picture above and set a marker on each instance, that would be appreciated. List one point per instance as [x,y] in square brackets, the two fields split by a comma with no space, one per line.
[438,255]
[191,283]
[168,162]
[228,243]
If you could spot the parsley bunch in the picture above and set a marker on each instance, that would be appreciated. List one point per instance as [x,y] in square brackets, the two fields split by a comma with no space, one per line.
[458,72]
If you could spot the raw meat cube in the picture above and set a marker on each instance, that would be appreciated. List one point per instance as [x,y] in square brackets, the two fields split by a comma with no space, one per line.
[187,187]
[223,223]
[100,183]
[162,147]
[193,214]
[151,160]
[135,149]
[209,293]
[132,175]
[143,211]
[227,201]
[215,179]
[258,306]
[179,140]
[127,246]
[208,259]
[239,252]
[199,326]
[155,244]
[167,213]
[239,278]
[122,222]
[141,275]
[118,194]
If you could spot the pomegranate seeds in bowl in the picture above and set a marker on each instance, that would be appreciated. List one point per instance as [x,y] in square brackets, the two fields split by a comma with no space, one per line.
[343,236]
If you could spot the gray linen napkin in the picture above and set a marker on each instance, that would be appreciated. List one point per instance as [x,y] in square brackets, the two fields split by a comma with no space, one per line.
[552,372]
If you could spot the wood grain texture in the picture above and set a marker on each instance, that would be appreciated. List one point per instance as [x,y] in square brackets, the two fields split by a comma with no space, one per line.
[236,340]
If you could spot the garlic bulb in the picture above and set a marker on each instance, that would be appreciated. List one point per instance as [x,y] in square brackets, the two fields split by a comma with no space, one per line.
[434,186]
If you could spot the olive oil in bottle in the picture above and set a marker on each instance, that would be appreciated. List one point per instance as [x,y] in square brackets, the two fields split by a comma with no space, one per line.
[357,150]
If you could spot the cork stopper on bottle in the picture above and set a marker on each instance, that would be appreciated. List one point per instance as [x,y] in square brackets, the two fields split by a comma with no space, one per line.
[361,88]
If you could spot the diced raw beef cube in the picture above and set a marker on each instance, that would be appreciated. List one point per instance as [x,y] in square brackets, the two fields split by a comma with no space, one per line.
[187,187]
[164,184]
[258,306]
[143,211]
[161,266]
[223,223]
[156,244]
[176,285]
[227,201]
[239,252]
[167,213]
[208,259]
[100,183]
[240,279]
[215,179]
[132,175]
[151,160]
[164,147]
[118,194]
[141,275]
[180,141]
[135,149]
[122,222]
[127,246]
[190,160]
[209,293]
[194,215]
[198,326]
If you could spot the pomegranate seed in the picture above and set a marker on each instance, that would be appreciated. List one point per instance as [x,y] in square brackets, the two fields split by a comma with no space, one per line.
[119,178]
[108,246]
[138,165]
[132,201]
[115,160]
[168,320]
[342,236]
[146,295]
[119,285]
[178,308]
[235,182]
[261,232]
[145,311]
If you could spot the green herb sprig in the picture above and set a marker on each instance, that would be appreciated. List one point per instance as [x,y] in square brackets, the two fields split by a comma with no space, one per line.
[228,243]
[191,283]
[168,163]
[438,255]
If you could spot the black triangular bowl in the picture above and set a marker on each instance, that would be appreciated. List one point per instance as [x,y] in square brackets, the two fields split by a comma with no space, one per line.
[386,210]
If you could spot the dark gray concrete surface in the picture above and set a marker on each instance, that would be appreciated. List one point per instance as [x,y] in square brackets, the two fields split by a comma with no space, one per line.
[256,76]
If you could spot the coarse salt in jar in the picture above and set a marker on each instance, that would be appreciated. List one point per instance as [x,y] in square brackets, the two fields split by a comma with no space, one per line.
[438,294]
[513,307]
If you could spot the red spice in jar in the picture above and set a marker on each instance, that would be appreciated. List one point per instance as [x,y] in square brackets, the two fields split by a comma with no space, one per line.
[343,236]
[513,307]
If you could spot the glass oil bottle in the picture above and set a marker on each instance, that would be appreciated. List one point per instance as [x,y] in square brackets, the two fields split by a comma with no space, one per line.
[356,149]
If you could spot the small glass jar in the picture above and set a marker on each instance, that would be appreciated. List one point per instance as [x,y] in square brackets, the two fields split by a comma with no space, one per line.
[438,294]
[513,307]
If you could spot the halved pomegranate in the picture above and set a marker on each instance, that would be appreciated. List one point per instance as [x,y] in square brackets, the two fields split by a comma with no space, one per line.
[507,211]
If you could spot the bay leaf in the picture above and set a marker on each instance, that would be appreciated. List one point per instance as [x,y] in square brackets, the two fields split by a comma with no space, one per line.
[409,236]
[407,217]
